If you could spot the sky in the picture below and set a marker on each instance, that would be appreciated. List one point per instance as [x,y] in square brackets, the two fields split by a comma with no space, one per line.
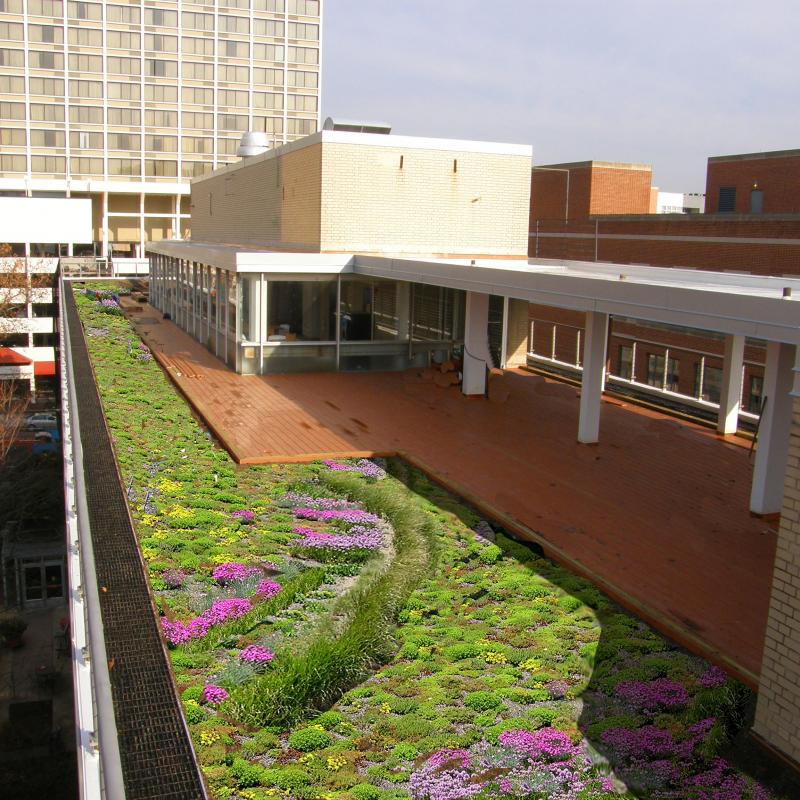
[664,83]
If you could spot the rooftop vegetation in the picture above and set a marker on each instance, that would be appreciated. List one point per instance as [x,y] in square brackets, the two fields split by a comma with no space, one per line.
[340,631]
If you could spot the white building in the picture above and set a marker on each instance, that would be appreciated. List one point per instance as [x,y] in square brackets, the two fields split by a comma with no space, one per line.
[680,203]
[123,103]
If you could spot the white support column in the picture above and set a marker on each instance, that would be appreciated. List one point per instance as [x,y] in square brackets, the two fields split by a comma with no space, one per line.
[403,310]
[476,344]
[504,334]
[140,253]
[104,232]
[594,374]
[766,496]
[731,394]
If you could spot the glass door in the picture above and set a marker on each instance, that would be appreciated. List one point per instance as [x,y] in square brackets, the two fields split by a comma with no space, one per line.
[43,583]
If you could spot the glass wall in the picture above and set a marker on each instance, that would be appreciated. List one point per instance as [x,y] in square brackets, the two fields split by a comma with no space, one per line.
[301,311]
[258,323]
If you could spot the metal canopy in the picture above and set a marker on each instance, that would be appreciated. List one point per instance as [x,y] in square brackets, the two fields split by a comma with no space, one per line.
[732,303]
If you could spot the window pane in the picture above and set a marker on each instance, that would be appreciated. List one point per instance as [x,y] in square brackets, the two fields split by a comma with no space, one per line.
[302,310]
[625,362]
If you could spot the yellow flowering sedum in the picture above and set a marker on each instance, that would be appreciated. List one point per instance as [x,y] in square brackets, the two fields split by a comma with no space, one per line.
[166,486]
[209,737]
[179,512]
[335,763]
[222,558]
[495,657]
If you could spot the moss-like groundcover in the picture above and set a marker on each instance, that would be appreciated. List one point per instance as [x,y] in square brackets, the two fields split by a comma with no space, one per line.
[341,631]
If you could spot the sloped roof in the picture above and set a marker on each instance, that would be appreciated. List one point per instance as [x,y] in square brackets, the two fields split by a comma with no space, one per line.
[11,358]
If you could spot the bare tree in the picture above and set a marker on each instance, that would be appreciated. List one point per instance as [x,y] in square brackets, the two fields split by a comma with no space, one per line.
[13,408]
[15,282]
[14,293]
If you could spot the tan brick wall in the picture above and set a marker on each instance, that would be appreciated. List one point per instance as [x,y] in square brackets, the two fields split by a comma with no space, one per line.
[778,710]
[345,197]
[270,203]
[517,333]
[371,204]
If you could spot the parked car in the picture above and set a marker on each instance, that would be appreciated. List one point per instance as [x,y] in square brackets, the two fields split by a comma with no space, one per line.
[42,421]
[46,442]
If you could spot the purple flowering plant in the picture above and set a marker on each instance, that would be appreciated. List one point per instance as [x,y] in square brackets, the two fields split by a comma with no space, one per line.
[214,695]
[301,500]
[231,571]
[256,655]
[542,764]
[364,467]
[712,678]
[267,589]
[345,516]
[174,578]
[221,611]
[359,537]
[659,694]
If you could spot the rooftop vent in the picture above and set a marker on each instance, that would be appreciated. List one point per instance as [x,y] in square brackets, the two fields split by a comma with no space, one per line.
[356,126]
[252,143]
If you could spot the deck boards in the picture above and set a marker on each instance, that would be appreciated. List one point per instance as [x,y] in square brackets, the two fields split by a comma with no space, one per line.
[657,512]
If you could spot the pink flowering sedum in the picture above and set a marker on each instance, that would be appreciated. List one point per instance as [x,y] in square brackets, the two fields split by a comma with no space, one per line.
[298,500]
[267,589]
[358,537]
[547,743]
[232,571]
[348,516]
[712,678]
[661,693]
[220,612]
[256,655]
[364,467]
[214,695]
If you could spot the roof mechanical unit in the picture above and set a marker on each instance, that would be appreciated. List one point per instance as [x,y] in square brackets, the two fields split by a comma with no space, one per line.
[356,126]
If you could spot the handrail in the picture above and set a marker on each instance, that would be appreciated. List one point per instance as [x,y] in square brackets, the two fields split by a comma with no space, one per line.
[100,771]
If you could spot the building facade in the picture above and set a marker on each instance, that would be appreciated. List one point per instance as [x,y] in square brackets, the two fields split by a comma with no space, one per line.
[581,189]
[126,102]
[267,282]
[761,238]
[754,183]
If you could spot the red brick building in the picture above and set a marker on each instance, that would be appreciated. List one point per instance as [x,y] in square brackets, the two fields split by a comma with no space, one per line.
[605,218]
[754,183]
[584,188]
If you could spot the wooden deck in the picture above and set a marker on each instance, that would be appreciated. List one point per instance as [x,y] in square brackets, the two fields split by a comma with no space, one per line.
[656,513]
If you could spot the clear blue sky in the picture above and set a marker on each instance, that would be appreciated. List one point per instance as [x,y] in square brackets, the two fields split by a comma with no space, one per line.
[664,83]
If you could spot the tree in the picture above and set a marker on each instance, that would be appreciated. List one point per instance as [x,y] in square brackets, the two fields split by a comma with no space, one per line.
[14,282]
[13,408]
[14,292]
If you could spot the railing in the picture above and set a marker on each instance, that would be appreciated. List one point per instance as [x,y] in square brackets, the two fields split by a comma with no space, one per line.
[130,266]
[757,244]
[99,772]
[89,267]
[85,267]
[661,390]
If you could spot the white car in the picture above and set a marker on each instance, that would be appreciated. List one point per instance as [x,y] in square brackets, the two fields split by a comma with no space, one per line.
[41,421]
